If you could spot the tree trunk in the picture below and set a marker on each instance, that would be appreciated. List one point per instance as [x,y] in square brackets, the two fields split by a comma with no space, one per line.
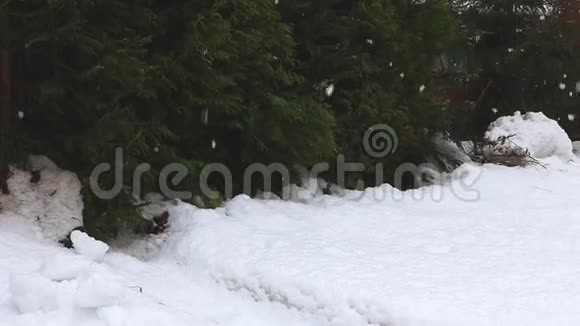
[6,115]
[6,88]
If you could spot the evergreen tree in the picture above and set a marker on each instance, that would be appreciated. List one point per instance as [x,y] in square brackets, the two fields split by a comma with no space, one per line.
[525,56]
[81,67]
[371,62]
[167,81]
[234,96]
[227,81]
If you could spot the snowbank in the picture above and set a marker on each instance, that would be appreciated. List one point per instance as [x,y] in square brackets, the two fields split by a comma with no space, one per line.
[45,280]
[88,247]
[542,136]
[509,258]
[53,202]
[42,283]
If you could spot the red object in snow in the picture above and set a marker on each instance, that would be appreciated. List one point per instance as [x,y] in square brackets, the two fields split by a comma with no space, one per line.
[159,223]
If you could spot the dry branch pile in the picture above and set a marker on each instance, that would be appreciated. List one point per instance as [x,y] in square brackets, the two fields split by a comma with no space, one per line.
[502,151]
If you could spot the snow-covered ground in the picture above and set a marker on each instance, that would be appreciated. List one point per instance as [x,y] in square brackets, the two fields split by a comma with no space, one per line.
[508,256]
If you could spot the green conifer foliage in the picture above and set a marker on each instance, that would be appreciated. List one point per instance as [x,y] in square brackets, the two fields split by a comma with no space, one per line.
[229,67]
[81,68]
[377,58]
[229,81]
[524,50]
[188,82]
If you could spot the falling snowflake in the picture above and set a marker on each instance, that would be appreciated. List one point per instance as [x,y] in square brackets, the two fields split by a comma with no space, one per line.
[205,116]
[562,86]
[542,17]
[213,144]
[421,88]
[156,149]
[494,110]
[402,75]
[20,115]
[329,90]
[571,117]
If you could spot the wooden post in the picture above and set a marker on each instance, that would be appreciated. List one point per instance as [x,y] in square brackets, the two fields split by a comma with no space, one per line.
[6,88]
[5,115]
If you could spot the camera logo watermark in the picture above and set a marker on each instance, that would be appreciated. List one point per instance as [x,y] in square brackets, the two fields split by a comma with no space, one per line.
[379,141]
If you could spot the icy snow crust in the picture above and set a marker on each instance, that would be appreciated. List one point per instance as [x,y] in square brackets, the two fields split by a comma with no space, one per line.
[509,256]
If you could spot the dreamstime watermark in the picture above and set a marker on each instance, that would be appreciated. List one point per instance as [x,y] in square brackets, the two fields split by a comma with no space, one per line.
[379,141]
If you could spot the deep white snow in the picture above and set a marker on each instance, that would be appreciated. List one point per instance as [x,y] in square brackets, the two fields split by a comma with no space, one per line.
[542,136]
[87,246]
[492,246]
